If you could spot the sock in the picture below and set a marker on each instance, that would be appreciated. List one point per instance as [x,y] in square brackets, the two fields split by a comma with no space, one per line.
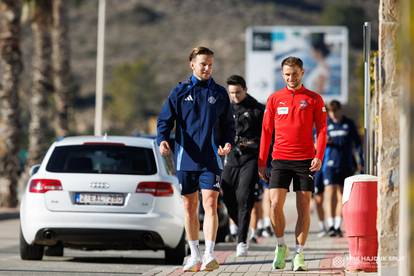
[209,248]
[233,229]
[195,251]
[338,221]
[252,233]
[280,240]
[322,225]
[260,224]
[266,222]
[299,248]
[330,222]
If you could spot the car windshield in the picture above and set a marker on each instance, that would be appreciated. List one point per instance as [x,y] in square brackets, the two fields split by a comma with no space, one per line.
[102,159]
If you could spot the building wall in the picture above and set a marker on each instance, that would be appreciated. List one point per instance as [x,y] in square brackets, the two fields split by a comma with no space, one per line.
[406,59]
[388,140]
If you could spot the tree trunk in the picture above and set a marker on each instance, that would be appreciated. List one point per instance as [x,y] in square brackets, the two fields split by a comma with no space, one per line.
[42,87]
[11,65]
[61,65]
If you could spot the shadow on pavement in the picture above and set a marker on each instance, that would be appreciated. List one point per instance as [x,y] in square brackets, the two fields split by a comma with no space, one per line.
[250,262]
[117,260]
[59,272]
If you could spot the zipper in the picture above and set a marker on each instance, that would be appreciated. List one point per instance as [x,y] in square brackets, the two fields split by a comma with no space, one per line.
[197,108]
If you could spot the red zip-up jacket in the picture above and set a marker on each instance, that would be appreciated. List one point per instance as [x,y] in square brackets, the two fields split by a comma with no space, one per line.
[292,115]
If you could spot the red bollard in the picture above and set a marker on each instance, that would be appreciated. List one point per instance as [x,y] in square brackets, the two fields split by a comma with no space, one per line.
[360,219]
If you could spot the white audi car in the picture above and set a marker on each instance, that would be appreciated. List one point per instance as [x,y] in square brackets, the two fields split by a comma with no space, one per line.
[97,193]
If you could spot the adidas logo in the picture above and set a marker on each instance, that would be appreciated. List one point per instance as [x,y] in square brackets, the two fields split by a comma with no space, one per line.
[217,185]
[189,99]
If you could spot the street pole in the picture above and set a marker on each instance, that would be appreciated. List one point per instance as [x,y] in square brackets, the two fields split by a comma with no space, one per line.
[100,68]
[367,95]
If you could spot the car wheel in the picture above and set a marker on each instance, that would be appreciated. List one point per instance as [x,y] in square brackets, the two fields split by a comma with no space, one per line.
[28,251]
[55,250]
[175,256]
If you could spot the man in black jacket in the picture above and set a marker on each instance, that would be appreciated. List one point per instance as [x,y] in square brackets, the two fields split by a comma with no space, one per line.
[240,166]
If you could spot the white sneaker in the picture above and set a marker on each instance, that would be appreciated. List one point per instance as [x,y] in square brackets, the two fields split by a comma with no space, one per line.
[322,233]
[209,263]
[241,249]
[192,264]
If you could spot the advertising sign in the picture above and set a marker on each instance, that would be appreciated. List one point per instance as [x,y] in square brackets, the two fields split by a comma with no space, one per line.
[323,50]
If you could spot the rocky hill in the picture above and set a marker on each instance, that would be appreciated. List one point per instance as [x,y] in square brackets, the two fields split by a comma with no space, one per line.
[163,32]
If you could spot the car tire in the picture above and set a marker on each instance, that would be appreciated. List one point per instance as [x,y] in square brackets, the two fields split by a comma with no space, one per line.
[55,250]
[175,256]
[28,251]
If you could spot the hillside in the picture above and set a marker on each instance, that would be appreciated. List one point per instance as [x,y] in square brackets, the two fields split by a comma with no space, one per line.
[163,32]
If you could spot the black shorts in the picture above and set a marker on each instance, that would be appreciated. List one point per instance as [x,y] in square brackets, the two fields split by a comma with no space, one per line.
[284,171]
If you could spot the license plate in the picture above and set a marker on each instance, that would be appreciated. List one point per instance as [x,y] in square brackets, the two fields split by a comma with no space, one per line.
[99,199]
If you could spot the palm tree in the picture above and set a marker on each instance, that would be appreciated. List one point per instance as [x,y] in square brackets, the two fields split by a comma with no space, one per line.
[42,85]
[11,65]
[61,65]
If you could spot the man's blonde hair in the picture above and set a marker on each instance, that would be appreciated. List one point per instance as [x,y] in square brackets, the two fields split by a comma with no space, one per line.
[292,61]
[200,51]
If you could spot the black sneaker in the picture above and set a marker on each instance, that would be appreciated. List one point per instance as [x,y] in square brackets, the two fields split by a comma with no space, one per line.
[259,232]
[338,233]
[253,239]
[267,232]
[331,232]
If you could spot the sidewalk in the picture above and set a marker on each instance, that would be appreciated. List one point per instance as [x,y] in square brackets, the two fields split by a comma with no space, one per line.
[323,256]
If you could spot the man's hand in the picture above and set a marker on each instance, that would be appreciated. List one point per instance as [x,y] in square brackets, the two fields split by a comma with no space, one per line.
[165,148]
[316,165]
[262,174]
[225,150]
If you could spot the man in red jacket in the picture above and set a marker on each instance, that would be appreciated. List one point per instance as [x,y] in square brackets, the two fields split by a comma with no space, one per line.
[291,113]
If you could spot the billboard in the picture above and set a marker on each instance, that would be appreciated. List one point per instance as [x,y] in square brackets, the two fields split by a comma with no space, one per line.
[323,50]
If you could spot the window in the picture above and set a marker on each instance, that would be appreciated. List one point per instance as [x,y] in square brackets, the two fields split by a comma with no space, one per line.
[102,159]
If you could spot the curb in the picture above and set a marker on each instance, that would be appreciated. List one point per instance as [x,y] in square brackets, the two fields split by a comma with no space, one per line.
[9,213]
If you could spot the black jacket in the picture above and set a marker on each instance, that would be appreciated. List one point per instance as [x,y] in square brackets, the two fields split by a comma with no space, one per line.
[248,116]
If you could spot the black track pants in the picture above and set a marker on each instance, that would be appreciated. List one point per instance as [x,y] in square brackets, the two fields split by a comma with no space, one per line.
[237,184]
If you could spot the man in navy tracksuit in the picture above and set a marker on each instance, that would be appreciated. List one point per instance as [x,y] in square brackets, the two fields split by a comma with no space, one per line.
[339,162]
[204,129]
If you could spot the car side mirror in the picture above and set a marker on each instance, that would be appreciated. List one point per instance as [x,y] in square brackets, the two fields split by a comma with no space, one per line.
[34,169]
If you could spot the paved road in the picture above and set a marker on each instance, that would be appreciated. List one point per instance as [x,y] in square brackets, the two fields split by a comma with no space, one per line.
[74,262]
